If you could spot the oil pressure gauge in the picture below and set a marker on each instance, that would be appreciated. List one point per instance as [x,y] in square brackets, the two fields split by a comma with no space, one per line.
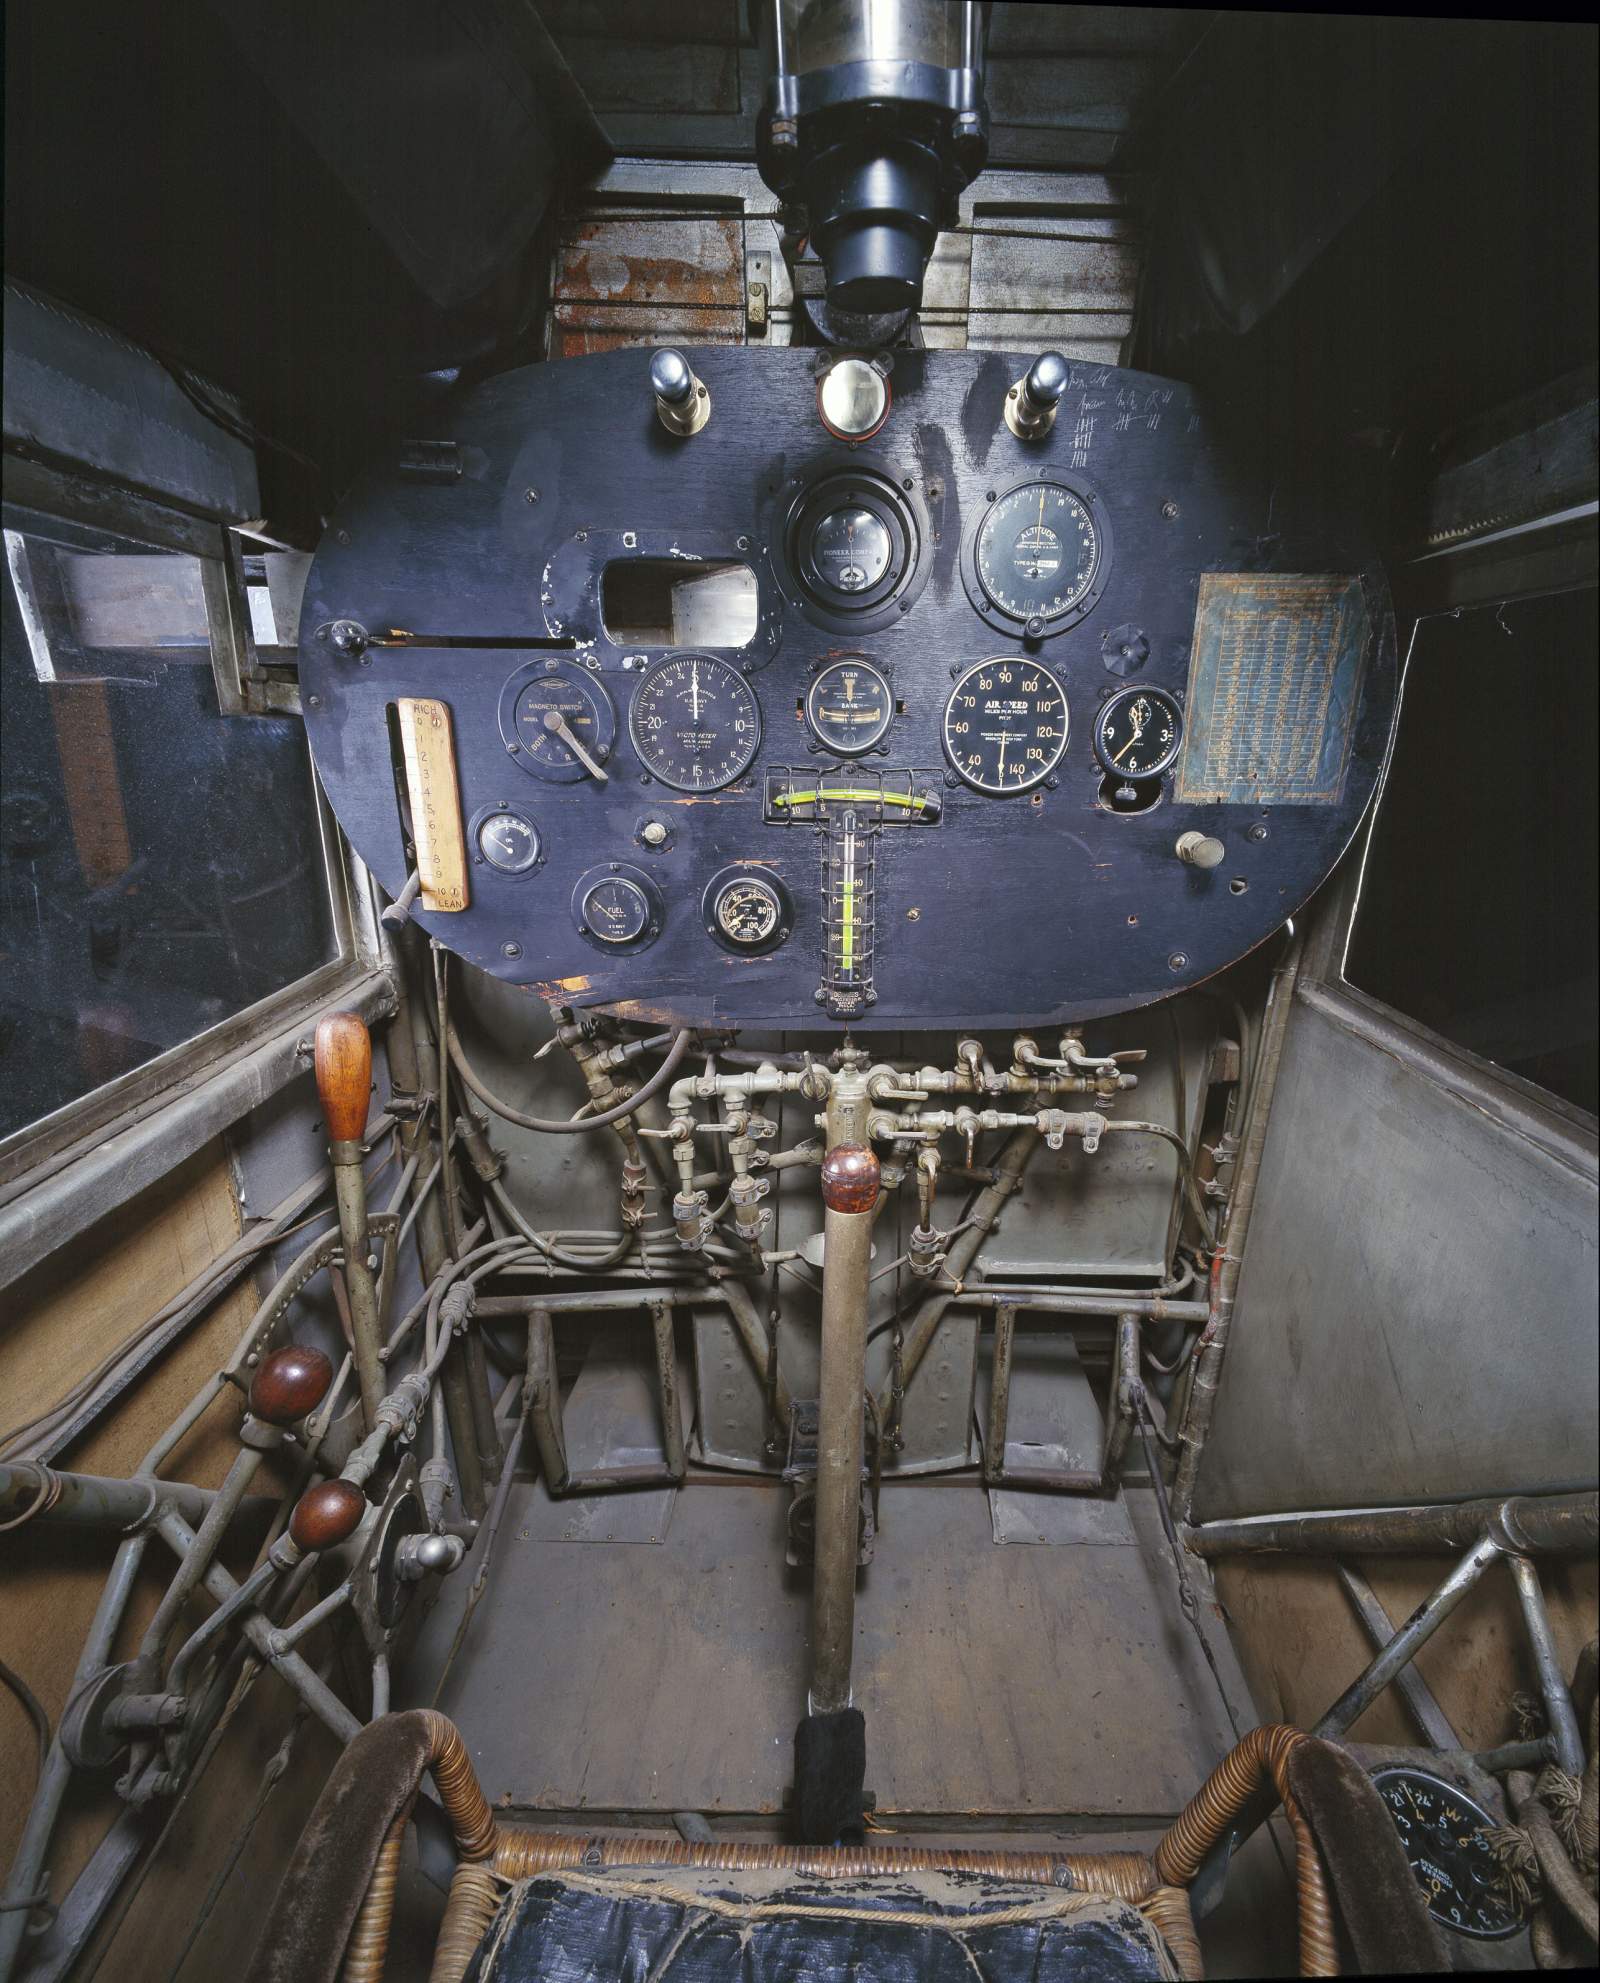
[506,840]
[849,706]
[1138,733]
[746,910]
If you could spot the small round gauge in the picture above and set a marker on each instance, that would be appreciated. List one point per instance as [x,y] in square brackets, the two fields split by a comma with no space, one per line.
[557,723]
[507,840]
[1445,1835]
[695,723]
[1005,725]
[617,907]
[1039,554]
[746,910]
[1138,732]
[851,549]
[849,706]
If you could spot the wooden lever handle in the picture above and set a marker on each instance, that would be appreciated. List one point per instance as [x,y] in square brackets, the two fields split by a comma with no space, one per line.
[344,1074]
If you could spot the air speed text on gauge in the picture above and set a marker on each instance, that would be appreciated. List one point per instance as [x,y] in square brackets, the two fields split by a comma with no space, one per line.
[1005,725]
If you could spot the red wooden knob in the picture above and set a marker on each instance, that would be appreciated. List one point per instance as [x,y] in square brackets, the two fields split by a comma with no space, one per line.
[850,1178]
[344,1074]
[289,1383]
[326,1514]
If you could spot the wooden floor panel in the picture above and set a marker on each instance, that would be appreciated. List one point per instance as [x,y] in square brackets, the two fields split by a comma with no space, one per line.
[1059,1681]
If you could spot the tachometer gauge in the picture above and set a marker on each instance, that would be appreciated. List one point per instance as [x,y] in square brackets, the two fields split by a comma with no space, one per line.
[1040,555]
[1005,725]
[745,910]
[1138,732]
[1445,1835]
[557,723]
[849,706]
[507,840]
[695,723]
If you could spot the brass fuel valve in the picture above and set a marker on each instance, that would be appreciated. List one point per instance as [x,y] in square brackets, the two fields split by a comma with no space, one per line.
[691,1217]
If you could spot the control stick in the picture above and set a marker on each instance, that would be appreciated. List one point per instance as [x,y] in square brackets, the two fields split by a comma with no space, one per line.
[344,1085]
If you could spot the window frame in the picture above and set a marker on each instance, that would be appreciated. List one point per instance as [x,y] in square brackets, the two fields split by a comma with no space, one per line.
[1541,562]
[359,973]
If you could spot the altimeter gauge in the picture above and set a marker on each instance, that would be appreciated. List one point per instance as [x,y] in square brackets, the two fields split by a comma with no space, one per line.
[1040,557]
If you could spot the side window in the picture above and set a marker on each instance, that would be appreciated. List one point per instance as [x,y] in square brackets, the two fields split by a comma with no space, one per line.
[161,867]
[1477,907]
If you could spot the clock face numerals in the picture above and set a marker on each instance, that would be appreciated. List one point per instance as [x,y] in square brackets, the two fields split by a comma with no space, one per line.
[1445,1835]
[1005,725]
[1138,732]
[695,723]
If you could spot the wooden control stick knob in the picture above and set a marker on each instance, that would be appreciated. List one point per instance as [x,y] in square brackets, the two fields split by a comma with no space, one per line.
[344,1074]
[850,1178]
[289,1383]
[327,1514]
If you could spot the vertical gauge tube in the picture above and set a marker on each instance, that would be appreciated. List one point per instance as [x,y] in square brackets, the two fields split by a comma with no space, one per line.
[848,917]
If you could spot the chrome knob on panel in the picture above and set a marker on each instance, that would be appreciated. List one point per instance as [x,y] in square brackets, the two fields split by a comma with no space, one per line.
[683,406]
[1031,403]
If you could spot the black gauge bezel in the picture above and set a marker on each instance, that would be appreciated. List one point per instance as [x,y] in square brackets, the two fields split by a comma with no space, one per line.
[1045,772]
[656,912]
[605,713]
[1392,1772]
[999,617]
[853,484]
[726,878]
[711,660]
[1114,702]
[479,858]
[877,741]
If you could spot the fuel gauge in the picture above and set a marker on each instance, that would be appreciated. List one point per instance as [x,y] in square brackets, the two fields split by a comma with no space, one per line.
[850,706]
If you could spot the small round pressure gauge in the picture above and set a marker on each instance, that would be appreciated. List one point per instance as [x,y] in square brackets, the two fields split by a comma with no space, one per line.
[746,910]
[849,706]
[1138,733]
[506,840]
[617,907]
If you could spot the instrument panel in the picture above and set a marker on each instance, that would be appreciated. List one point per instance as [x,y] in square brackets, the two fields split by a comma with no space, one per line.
[747,728]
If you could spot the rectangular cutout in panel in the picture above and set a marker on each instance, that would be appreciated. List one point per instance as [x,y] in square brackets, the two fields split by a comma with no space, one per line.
[428,742]
[1274,684]
[679,602]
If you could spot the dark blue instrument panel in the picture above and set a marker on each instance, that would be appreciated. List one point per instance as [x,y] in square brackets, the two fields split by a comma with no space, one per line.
[750,728]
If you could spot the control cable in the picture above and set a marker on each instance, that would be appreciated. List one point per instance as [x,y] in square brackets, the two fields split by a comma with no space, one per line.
[548,1126]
